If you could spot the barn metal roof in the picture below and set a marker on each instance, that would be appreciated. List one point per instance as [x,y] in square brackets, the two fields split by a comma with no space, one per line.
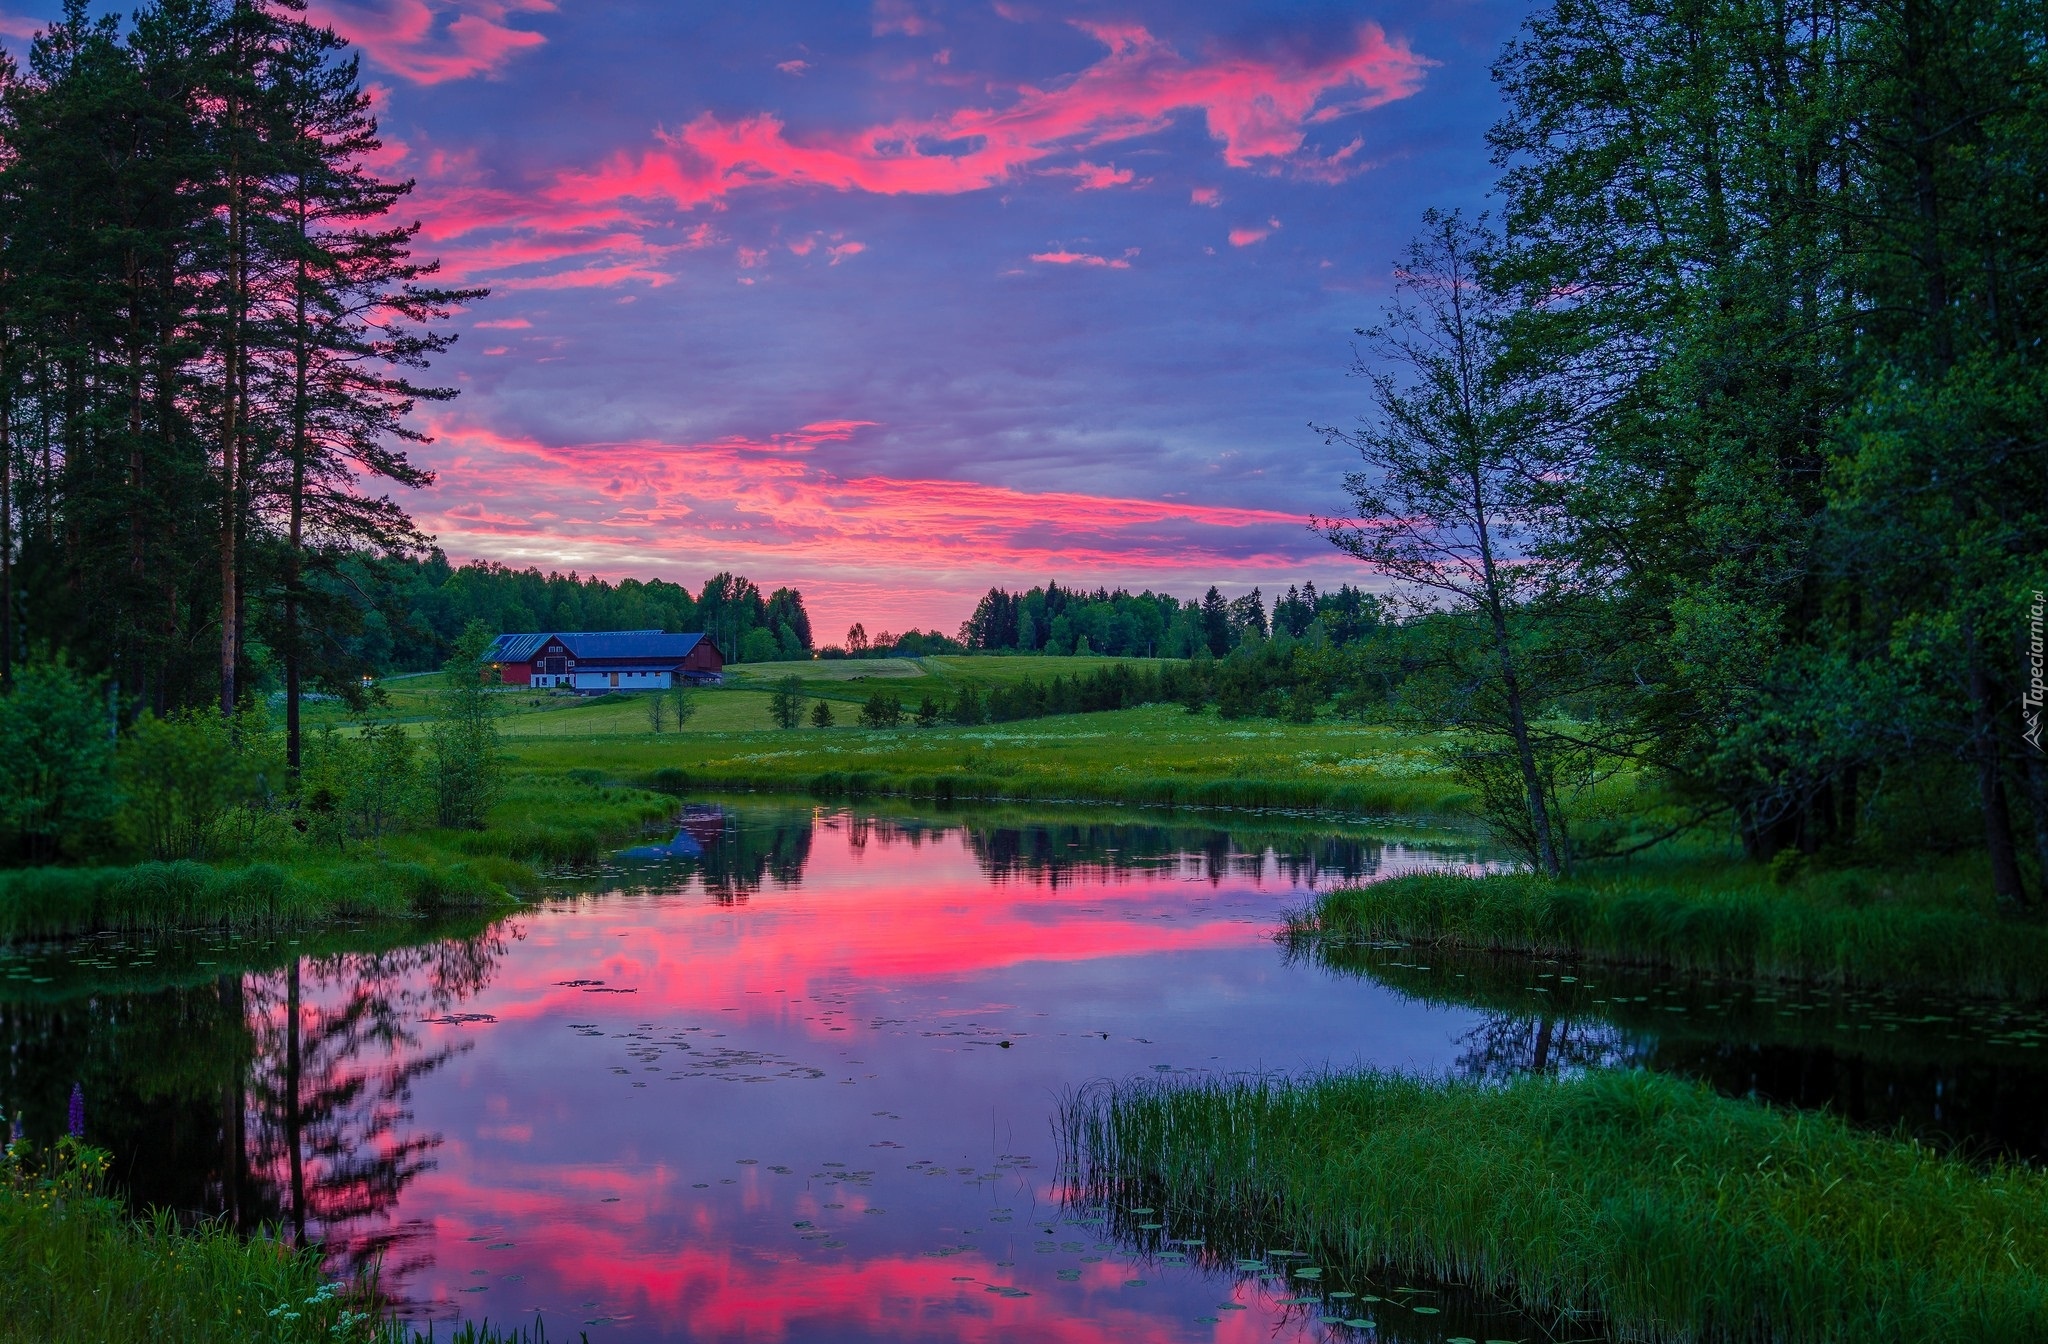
[597,645]
[514,648]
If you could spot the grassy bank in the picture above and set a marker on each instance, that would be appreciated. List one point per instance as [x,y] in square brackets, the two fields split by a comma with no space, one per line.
[255,897]
[1157,755]
[1670,1213]
[1927,928]
[546,819]
[1154,756]
[76,1269]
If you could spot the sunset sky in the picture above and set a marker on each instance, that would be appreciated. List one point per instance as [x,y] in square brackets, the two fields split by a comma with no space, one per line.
[895,301]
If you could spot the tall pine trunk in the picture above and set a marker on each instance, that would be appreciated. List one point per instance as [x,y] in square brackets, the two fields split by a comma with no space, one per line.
[231,427]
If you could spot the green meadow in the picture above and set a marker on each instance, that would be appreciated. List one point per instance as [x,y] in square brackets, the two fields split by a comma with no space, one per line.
[1154,755]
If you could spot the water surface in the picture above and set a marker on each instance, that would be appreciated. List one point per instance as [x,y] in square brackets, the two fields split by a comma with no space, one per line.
[789,1073]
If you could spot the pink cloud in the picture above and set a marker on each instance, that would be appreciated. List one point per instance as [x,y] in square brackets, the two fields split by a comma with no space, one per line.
[897,16]
[1258,108]
[751,257]
[1062,257]
[588,277]
[1205,196]
[420,41]
[604,228]
[504,324]
[772,503]
[1093,176]
[792,67]
[1245,236]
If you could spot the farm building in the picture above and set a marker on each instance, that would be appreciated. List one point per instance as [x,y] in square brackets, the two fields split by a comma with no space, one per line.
[595,661]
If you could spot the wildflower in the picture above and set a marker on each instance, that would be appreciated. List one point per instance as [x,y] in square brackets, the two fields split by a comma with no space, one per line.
[74,1120]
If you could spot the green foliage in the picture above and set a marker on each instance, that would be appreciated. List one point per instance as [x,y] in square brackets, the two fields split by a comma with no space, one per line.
[881,711]
[1786,268]
[1664,1211]
[154,897]
[1851,928]
[821,714]
[682,705]
[183,775]
[786,704]
[79,1270]
[362,786]
[464,768]
[56,735]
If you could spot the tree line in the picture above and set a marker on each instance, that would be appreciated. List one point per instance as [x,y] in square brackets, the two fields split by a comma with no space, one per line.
[405,614]
[1057,620]
[1725,441]
[211,330]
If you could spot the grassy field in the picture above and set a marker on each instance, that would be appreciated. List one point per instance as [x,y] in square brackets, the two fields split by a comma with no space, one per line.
[742,703]
[1157,755]
[1931,926]
[76,1269]
[1639,1204]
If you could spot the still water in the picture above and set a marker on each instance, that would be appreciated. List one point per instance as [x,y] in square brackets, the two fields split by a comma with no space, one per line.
[791,1074]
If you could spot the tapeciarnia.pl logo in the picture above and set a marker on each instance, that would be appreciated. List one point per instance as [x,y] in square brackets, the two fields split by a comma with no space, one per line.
[2030,703]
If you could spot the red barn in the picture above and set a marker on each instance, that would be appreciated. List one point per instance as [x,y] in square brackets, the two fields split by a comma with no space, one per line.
[596,661]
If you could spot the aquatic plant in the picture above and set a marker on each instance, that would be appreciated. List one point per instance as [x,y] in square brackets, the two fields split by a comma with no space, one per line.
[1835,932]
[1639,1202]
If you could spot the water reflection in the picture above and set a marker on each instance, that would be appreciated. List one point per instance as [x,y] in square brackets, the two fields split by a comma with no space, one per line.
[775,844]
[274,1096]
[786,1071]
[1965,1074]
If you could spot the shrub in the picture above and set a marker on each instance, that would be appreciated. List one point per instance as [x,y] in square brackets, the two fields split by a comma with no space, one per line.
[56,735]
[786,704]
[464,765]
[183,775]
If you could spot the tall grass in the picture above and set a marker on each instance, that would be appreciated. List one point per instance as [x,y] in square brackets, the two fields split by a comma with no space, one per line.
[547,818]
[1389,796]
[1829,933]
[1670,1213]
[159,897]
[76,1269]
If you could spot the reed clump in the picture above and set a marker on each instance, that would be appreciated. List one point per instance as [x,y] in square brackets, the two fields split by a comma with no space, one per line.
[1835,931]
[1645,1203]
[75,1268]
[160,897]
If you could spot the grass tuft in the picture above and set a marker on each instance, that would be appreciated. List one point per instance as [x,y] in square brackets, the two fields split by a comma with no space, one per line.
[159,897]
[1667,1212]
[75,1268]
[1840,930]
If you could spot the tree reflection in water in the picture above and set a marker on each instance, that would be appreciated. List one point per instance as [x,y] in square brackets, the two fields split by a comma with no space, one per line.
[1508,1045]
[327,1147]
[274,1097]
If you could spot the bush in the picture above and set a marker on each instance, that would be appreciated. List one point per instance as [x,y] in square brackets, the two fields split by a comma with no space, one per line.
[364,787]
[786,705]
[183,776]
[464,767]
[881,711]
[56,735]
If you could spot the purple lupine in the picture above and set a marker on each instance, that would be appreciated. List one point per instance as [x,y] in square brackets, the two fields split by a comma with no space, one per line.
[74,1119]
